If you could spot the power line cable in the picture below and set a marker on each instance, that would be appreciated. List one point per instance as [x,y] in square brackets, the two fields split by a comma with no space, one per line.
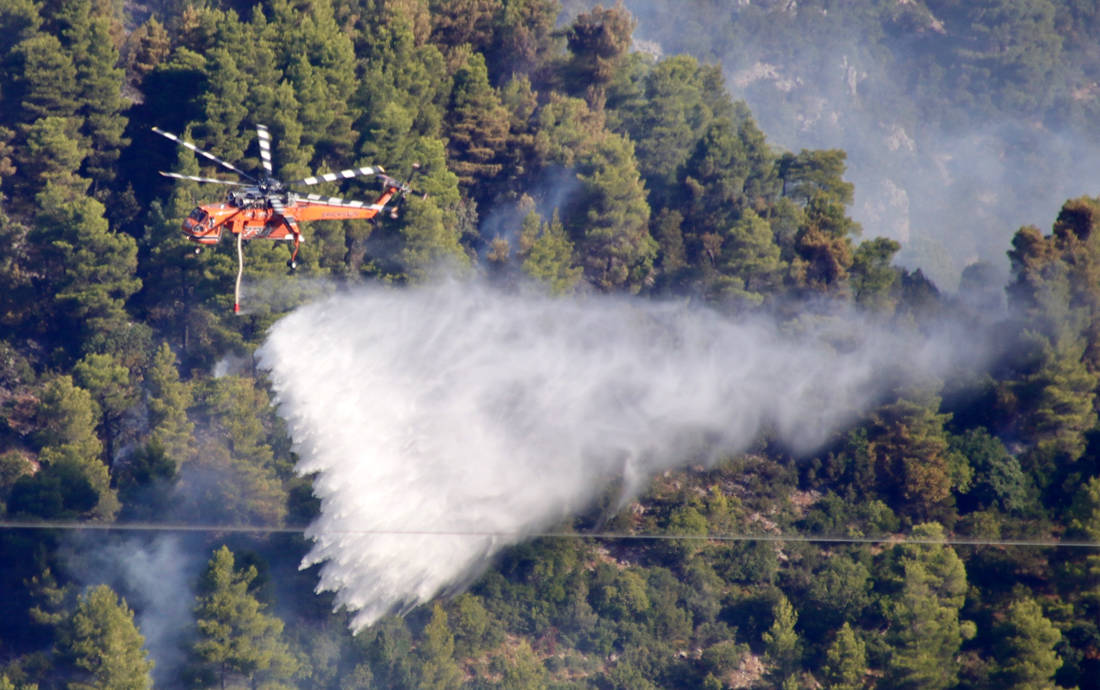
[890,539]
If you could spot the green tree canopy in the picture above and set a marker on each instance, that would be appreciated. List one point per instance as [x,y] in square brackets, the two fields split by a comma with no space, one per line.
[913,459]
[436,651]
[845,661]
[236,639]
[103,645]
[665,111]
[1026,650]
[477,125]
[598,43]
[925,631]
[110,385]
[781,642]
[167,398]
[74,480]
[548,255]
[86,269]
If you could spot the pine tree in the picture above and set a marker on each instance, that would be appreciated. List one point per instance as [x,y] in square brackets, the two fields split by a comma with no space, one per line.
[824,246]
[519,158]
[387,646]
[404,83]
[813,182]
[42,111]
[812,173]
[871,273]
[200,28]
[477,125]
[86,32]
[21,19]
[845,661]
[524,42]
[109,383]
[87,269]
[747,265]
[1040,287]
[674,103]
[428,244]
[472,625]
[265,75]
[146,47]
[317,60]
[45,84]
[1084,514]
[669,233]
[1058,405]
[74,479]
[456,23]
[68,418]
[616,249]
[239,410]
[999,480]
[235,637]
[438,669]
[1026,650]
[167,398]
[53,601]
[548,255]
[598,43]
[50,155]
[238,452]
[839,592]
[222,129]
[925,630]
[525,670]
[101,641]
[729,171]
[913,458]
[17,296]
[608,218]
[403,91]
[781,642]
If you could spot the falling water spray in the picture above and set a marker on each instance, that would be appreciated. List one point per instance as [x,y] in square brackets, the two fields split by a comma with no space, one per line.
[443,423]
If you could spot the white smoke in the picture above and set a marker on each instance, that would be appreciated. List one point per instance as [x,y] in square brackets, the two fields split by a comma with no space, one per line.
[461,418]
[155,577]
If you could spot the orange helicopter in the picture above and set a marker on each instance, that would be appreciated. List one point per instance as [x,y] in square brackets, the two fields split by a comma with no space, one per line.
[265,207]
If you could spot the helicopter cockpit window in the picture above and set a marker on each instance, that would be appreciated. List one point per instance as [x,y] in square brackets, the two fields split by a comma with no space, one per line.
[198,215]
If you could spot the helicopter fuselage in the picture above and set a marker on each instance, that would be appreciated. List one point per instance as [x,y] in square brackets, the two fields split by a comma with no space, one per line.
[253,216]
[266,207]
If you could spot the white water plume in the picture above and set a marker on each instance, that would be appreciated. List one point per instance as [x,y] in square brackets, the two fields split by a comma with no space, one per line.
[461,418]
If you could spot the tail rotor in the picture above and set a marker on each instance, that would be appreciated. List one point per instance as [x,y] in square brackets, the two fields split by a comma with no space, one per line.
[402,190]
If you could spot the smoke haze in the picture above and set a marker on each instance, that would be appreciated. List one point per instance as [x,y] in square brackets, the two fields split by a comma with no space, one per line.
[155,577]
[461,409]
[948,171]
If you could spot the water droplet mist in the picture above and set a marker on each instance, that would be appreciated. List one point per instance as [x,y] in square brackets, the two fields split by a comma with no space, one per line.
[463,418]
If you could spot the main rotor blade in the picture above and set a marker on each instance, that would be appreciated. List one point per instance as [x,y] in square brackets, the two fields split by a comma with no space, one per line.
[342,175]
[333,201]
[196,149]
[390,182]
[264,137]
[211,180]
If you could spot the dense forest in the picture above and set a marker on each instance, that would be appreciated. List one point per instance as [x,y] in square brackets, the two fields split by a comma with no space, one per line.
[961,120]
[552,153]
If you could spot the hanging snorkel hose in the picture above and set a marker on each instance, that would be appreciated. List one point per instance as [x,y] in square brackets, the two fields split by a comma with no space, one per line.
[240,272]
